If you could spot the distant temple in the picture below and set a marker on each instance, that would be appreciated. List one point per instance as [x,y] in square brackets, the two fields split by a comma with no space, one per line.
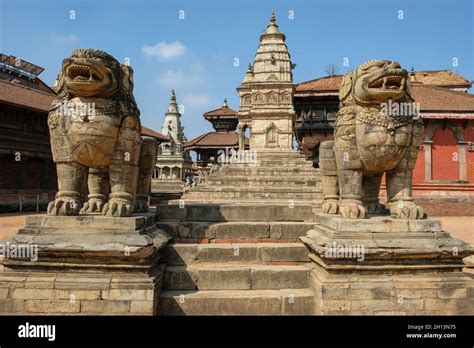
[266,94]
[173,162]
[445,166]
[207,146]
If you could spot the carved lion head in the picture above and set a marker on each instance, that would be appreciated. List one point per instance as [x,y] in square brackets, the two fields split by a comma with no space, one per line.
[93,73]
[375,82]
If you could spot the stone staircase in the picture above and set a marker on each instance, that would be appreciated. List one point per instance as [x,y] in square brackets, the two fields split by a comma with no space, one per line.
[277,176]
[235,247]
[162,190]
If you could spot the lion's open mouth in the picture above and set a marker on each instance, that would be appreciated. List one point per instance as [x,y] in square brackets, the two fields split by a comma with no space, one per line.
[80,73]
[391,82]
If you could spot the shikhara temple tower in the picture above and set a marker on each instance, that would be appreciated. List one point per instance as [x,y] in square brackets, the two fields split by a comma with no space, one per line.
[266,94]
[173,163]
[173,129]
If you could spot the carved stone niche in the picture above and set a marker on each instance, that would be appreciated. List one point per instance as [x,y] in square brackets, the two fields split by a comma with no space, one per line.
[271,136]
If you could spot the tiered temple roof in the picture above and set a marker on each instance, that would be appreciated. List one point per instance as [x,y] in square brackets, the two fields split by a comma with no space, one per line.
[224,120]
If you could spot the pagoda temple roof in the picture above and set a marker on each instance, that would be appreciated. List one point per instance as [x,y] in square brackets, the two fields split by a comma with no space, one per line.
[224,111]
[212,140]
[154,134]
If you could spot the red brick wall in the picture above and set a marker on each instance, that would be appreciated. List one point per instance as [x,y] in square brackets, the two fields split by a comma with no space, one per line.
[469,136]
[419,171]
[444,155]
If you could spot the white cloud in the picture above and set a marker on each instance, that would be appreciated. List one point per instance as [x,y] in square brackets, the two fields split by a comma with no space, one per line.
[179,78]
[165,50]
[64,39]
[197,100]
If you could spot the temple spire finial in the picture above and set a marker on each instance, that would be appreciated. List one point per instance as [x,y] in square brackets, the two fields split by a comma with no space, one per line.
[173,96]
[225,103]
[272,26]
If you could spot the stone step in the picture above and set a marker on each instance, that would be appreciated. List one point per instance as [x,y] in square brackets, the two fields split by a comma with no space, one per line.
[256,189]
[265,170]
[270,180]
[223,276]
[279,154]
[274,163]
[236,230]
[254,196]
[314,203]
[237,302]
[245,212]
[258,253]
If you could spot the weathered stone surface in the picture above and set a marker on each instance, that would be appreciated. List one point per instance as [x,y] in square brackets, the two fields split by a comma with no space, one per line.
[370,140]
[180,254]
[227,253]
[406,274]
[280,277]
[63,241]
[380,224]
[236,213]
[112,140]
[415,240]
[103,307]
[51,306]
[235,302]
[283,252]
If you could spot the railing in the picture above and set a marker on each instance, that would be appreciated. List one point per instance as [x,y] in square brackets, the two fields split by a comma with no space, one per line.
[17,200]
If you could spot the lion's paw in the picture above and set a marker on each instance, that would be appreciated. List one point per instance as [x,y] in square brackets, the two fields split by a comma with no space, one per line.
[352,209]
[63,206]
[93,206]
[406,210]
[116,208]
[330,207]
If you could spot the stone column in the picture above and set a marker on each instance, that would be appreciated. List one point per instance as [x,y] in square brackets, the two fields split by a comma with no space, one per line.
[241,138]
[427,147]
[462,160]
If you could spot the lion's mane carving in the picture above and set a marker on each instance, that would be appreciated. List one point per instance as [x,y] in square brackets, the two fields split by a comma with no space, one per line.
[95,138]
[378,130]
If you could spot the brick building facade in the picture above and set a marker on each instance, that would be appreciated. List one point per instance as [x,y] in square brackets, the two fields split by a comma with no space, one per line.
[27,172]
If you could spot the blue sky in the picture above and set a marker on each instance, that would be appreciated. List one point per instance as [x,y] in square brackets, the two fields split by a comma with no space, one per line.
[196,55]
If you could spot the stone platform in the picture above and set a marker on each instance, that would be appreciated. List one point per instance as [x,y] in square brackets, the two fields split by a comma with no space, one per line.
[85,265]
[385,266]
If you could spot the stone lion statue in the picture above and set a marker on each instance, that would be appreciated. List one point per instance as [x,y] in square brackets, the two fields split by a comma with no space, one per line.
[372,137]
[96,139]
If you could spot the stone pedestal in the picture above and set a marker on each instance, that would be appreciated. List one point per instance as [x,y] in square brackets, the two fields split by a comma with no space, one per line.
[84,265]
[385,266]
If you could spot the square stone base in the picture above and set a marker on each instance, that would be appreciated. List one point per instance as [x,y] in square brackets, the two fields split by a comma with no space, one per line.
[384,266]
[85,265]
[393,294]
[81,293]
